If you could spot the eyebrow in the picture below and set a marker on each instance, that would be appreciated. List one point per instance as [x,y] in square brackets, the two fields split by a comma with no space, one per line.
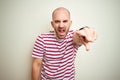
[65,20]
[59,20]
[56,20]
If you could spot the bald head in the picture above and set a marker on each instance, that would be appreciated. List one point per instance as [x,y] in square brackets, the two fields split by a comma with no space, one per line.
[60,9]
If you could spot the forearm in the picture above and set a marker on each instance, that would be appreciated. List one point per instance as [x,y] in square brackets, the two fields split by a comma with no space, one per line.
[36,70]
[76,39]
[79,36]
[35,73]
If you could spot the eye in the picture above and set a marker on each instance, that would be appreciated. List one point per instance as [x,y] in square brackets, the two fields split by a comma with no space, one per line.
[56,21]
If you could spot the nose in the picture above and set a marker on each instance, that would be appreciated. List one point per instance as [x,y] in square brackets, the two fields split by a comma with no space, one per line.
[61,25]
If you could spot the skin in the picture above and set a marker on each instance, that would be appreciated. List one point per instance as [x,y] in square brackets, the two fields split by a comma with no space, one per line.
[84,37]
[36,69]
[61,23]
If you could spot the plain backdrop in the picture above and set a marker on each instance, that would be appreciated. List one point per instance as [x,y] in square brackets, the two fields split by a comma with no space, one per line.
[21,21]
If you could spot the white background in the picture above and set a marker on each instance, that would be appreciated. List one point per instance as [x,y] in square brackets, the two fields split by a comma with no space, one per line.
[22,20]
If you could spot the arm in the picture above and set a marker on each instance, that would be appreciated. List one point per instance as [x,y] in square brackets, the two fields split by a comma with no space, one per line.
[36,68]
[84,36]
[76,38]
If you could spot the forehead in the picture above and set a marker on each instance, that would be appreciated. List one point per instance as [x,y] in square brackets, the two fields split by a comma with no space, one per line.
[61,14]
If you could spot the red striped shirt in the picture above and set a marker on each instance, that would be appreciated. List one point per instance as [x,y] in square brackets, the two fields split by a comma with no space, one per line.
[58,56]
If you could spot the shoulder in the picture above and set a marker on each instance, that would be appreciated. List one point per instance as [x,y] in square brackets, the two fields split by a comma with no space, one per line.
[70,33]
[47,35]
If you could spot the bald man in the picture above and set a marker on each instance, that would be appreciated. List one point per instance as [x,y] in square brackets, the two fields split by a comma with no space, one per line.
[54,52]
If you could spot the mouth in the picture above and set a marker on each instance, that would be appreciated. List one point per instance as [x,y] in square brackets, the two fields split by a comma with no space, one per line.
[61,33]
[61,30]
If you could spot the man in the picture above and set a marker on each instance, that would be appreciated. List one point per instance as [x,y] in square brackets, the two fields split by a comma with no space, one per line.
[54,52]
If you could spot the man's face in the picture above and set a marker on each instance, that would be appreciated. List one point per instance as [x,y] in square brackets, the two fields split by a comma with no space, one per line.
[61,23]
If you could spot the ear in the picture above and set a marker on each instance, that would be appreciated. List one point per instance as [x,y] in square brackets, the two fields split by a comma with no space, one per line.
[52,23]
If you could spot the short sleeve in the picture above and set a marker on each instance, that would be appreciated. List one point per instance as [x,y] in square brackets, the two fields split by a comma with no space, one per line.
[38,49]
[75,46]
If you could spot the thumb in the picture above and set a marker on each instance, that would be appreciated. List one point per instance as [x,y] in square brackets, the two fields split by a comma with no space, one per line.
[87,46]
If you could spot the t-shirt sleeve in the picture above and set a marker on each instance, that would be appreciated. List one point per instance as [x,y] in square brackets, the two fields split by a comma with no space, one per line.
[38,49]
[75,46]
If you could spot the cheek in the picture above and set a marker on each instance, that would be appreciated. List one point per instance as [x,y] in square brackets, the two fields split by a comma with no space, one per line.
[54,26]
[68,26]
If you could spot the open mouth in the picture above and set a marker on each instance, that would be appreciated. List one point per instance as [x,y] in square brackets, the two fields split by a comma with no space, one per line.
[61,33]
[61,30]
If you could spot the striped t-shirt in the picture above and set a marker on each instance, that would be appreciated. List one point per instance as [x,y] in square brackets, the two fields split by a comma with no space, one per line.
[58,56]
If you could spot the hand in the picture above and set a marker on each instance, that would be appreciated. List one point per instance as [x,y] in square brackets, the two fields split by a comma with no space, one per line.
[87,35]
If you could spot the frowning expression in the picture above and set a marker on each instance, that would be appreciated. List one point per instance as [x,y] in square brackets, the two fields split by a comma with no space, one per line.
[61,22]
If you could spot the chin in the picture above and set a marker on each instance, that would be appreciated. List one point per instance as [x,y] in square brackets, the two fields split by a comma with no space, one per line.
[61,37]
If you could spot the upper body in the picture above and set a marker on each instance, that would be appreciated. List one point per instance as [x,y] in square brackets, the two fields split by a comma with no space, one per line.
[54,52]
[57,54]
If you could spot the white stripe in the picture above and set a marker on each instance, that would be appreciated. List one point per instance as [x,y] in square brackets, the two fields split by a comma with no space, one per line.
[36,56]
